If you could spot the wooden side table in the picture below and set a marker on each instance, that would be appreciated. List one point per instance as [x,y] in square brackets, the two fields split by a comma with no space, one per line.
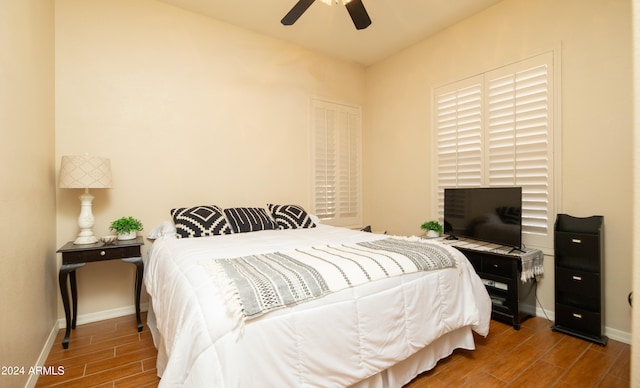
[76,256]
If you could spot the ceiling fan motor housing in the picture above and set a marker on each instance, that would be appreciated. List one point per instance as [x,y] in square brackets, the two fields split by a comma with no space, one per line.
[356,10]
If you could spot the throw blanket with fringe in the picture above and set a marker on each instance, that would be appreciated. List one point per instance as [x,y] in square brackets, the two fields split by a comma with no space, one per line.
[266,282]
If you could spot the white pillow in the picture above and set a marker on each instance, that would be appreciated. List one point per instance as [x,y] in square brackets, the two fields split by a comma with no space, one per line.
[166,228]
[314,218]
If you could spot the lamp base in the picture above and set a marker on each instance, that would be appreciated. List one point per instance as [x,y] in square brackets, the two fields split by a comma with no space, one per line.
[82,240]
[85,220]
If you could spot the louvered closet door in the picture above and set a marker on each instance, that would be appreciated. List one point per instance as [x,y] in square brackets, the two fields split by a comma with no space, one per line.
[518,118]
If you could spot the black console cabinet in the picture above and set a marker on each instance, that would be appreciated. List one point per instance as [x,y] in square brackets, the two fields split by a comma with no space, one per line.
[579,277]
[512,300]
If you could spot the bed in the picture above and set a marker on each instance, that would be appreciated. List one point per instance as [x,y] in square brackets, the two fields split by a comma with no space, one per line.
[378,332]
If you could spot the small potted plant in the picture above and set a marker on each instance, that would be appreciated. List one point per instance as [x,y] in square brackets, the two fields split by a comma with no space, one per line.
[433,228]
[126,227]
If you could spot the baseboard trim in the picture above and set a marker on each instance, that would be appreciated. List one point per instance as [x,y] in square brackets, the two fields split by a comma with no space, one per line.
[614,334]
[618,335]
[102,315]
[44,353]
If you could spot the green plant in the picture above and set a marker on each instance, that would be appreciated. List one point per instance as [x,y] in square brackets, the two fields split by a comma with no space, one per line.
[126,225]
[432,225]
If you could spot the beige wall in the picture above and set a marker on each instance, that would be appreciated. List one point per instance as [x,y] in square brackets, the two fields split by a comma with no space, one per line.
[189,110]
[27,196]
[596,155]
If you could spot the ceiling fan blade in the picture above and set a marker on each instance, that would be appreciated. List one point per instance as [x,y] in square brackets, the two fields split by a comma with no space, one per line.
[296,12]
[358,14]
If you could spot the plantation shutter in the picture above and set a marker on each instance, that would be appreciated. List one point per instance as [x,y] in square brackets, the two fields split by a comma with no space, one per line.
[325,171]
[337,163]
[496,129]
[519,108]
[458,112]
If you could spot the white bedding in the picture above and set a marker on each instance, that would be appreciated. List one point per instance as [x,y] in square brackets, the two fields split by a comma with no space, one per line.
[345,338]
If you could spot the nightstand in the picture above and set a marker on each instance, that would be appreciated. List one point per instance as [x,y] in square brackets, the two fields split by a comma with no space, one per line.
[76,256]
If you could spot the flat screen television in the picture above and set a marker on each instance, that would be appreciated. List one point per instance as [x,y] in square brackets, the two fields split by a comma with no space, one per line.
[491,214]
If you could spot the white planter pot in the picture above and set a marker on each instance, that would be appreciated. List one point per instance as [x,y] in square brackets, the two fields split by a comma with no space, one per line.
[127,236]
[432,234]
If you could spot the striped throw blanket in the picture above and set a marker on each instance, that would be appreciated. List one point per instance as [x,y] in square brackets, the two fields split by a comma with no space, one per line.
[266,282]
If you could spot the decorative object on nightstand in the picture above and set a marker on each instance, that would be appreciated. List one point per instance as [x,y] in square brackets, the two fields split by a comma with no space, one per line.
[126,227]
[85,172]
[110,239]
[433,228]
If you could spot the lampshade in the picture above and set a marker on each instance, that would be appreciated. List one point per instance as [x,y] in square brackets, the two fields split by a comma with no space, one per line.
[85,172]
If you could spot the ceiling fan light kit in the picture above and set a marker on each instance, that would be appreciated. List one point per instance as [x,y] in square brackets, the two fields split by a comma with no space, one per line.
[356,10]
[330,2]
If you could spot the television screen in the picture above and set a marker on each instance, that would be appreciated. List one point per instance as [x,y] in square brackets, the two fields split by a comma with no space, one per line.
[492,214]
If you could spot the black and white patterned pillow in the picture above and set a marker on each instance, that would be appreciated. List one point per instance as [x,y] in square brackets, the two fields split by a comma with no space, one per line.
[290,216]
[249,219]
[200,221]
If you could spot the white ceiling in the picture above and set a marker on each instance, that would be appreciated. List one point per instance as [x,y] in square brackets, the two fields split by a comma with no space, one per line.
[396,24]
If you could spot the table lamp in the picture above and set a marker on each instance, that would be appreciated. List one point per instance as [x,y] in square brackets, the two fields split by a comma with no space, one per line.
[85,172]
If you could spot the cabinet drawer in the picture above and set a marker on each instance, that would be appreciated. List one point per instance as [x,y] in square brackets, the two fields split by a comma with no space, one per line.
[579,320]
[577,245]
[499,267]
[474,258]
[86,256]
[578,283]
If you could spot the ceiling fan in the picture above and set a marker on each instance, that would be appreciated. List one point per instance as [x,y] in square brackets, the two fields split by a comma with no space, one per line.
[356,10]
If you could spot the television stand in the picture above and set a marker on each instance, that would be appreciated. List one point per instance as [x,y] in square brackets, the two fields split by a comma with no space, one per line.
[512,290]
[514,249]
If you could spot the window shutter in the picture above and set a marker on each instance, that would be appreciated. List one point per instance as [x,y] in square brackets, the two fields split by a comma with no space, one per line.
[496,129]
[519,107]
[337,163]
[325,169]
[459,137]
[348,164]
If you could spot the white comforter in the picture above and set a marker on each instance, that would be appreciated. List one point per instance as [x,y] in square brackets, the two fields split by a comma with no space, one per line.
[335,341]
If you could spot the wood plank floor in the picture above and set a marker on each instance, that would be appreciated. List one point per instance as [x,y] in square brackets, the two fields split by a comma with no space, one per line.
[112,353]
[533,356]
[109,353]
